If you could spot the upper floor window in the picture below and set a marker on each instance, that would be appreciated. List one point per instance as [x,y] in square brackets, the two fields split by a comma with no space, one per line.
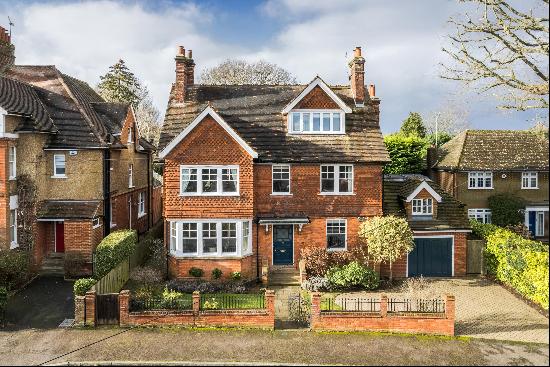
[96,222]
[12,162]
[130,176]
[336,234]
[316,122]
[529,180]
[209,180]
[130,135]
[336,179]
[59,165]
[480,180]
[13,228]
[481,215]
[422,206]
[280,179]
[141,204]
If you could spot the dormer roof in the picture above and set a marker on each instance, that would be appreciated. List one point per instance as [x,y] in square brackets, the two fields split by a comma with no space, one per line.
[317,82]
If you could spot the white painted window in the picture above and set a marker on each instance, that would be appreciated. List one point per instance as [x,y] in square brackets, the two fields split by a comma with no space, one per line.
[96,222]
[130,135]
[141,204]
[316,122]
[539,228]
[59,165]
[130,176]
[12,162]
[422,206]
[529,180]
[112,219]
[336,234]
[280,174]
[336,179]
[13,229]
[211,238]
[209,180]
[481,215]
[480,180]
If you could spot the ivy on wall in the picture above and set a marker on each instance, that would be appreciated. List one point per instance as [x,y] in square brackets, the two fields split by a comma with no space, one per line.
[26,215]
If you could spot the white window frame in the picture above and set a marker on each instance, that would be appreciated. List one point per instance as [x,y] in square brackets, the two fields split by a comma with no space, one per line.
[422,204]
[539,224]
[338,221]
[141,204]
[55,166]
[476,175]
[480,213]
[303,112]
[336,179]
[280,166]
[131,176]
[130,135]
[526,177]
[13,229]
[176,237]
[112,222]
[96,222]
[12,158]
[219,180]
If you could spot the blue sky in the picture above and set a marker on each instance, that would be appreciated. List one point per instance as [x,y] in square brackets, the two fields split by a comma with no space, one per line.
[401,42]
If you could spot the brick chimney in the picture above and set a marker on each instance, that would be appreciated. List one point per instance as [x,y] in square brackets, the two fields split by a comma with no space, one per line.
[7,50]
[357,76]
[185,73]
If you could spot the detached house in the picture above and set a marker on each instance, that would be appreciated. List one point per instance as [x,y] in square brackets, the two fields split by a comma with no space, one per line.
[90,168]
[477,164]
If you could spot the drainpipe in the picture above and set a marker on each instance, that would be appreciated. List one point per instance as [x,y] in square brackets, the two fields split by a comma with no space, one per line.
[149,199]
[257,251]
[106,191]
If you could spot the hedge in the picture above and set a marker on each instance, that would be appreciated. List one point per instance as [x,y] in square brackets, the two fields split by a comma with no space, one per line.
[114,248]
[14,268]
[516,261]
[81,286]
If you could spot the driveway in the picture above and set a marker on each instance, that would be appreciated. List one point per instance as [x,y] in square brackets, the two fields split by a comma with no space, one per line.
[43,304]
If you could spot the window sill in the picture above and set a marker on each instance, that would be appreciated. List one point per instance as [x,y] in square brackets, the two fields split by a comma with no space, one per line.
[54,176]
[337,249]
[336,194]
[209,195]
[480,188]
[13,245]
[141,215]
[113,225]
[94,227]
[281,194]
[529,188]
[131,187]
[12,178]
[179,255]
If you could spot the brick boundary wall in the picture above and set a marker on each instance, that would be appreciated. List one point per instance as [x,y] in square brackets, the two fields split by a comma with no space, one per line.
[84,309]
[260,318]
[416,323]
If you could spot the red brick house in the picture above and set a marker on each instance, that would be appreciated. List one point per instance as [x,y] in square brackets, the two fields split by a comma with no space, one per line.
[91,169]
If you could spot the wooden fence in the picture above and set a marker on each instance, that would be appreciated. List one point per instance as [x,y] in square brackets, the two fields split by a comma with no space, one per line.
[114,280]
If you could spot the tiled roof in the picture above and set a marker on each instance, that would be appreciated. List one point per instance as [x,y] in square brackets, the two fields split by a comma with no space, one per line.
[254,112]
[451,214]
[495,150]
[68,209]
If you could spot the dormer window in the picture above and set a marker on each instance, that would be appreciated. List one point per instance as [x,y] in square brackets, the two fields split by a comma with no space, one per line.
[422,206]
[316,122]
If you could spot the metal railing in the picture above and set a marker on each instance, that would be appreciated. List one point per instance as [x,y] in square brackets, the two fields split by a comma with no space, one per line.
[155,303]
[416,306]
[232,301]
[350,304]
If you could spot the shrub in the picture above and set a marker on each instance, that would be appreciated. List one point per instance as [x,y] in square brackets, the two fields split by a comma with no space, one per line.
[3,303]
[203,286]
[317,284]
[81,286]
[506,209]
[407,153]
[318,260]
[353,275]
[216,273]
[146,275]
[113,249]
[236,275]
[196,272]
[75,265]
[14,268]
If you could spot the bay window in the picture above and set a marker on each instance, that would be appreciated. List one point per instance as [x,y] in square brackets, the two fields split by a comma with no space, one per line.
[316,122]
[189,238]
[229,238]
[336,179]
[209,180]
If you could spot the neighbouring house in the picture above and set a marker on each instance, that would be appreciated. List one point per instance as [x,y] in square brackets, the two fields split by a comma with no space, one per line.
[91,170]
[477,164]
[439,223]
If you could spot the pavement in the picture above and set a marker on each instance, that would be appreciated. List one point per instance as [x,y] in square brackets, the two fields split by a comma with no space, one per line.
[283,319]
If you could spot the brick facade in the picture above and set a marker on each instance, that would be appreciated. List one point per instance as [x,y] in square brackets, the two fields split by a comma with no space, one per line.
[317,99]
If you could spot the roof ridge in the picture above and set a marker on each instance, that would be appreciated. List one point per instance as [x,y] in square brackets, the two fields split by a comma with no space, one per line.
[462,147]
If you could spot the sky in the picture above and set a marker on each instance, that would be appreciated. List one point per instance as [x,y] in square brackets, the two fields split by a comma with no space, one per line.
[401,42]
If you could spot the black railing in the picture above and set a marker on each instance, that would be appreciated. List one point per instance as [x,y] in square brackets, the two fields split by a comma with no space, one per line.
[149,304]
[232,301]
[351,304]
[416,306]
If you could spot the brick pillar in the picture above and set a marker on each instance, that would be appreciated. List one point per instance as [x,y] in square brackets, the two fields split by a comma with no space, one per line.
[79,307]
[450,312]
[383,305]
[124,308]
[196,303]
[302,267]
[315,309]
[90,308]
[270,305]
[265,271]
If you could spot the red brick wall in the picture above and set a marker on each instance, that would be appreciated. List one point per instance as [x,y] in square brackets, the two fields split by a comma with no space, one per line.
[156,204]
[121,216]
[179,267]
[4,196]
[317,99]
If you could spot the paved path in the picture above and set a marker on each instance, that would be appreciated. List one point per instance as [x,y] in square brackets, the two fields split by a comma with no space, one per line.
[282,312]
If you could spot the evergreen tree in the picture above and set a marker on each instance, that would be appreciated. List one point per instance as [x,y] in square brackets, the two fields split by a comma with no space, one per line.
[413,126]
[119,84]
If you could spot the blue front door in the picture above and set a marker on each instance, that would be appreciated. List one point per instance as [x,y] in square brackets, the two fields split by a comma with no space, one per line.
[283,245]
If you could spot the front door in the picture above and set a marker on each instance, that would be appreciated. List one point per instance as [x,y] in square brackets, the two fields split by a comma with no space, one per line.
[283,245]
[59,237]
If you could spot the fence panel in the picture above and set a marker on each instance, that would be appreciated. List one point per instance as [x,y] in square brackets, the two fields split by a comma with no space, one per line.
[350,304]
[232,301]
[474,264]
[114,280]
[416,306]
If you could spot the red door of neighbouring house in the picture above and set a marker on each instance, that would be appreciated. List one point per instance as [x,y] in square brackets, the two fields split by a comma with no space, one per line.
[59,237]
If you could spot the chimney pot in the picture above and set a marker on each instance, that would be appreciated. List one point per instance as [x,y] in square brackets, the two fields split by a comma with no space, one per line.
[357,51]
[190,54]
[181,51]
[372,90]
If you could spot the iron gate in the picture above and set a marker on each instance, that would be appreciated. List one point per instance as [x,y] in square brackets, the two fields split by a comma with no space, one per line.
[107,311]
[299,310]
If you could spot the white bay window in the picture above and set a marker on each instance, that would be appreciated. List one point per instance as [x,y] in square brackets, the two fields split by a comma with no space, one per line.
[209,180]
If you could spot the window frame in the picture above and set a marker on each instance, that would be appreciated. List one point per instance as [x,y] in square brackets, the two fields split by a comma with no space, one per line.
[423,205]
[112,223]
[219,180]
[336,180]
[539,224]
[476,175]
[141,204]
[131,176]
[528,176]
[130,135]
[278,166]
[13,229]
[321,112]
[339,221]
[55,166]
[12,162]
[480,213]
[96,222]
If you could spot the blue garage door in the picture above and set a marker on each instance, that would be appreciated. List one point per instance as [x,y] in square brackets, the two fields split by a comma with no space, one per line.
[431,257]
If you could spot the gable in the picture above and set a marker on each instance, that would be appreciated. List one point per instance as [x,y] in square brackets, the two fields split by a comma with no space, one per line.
[422,191]
[320,84]
[317,99]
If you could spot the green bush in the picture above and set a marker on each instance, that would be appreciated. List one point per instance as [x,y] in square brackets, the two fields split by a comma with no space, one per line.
[407,153]
[236,275]
[216,273]
[81,286]
[14,268]
[353,275]
[516,261]
[112,250]
[3,303]
[506,209]
[196,272]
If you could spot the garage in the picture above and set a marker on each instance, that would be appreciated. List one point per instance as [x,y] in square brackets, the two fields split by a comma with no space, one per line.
[431,257]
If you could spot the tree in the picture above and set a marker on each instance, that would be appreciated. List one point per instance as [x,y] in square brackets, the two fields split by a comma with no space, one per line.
[413,126]
[451,117]
[388,239]
[148,117]
[236,72]
[407,153]
[506,209]
[502,49]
